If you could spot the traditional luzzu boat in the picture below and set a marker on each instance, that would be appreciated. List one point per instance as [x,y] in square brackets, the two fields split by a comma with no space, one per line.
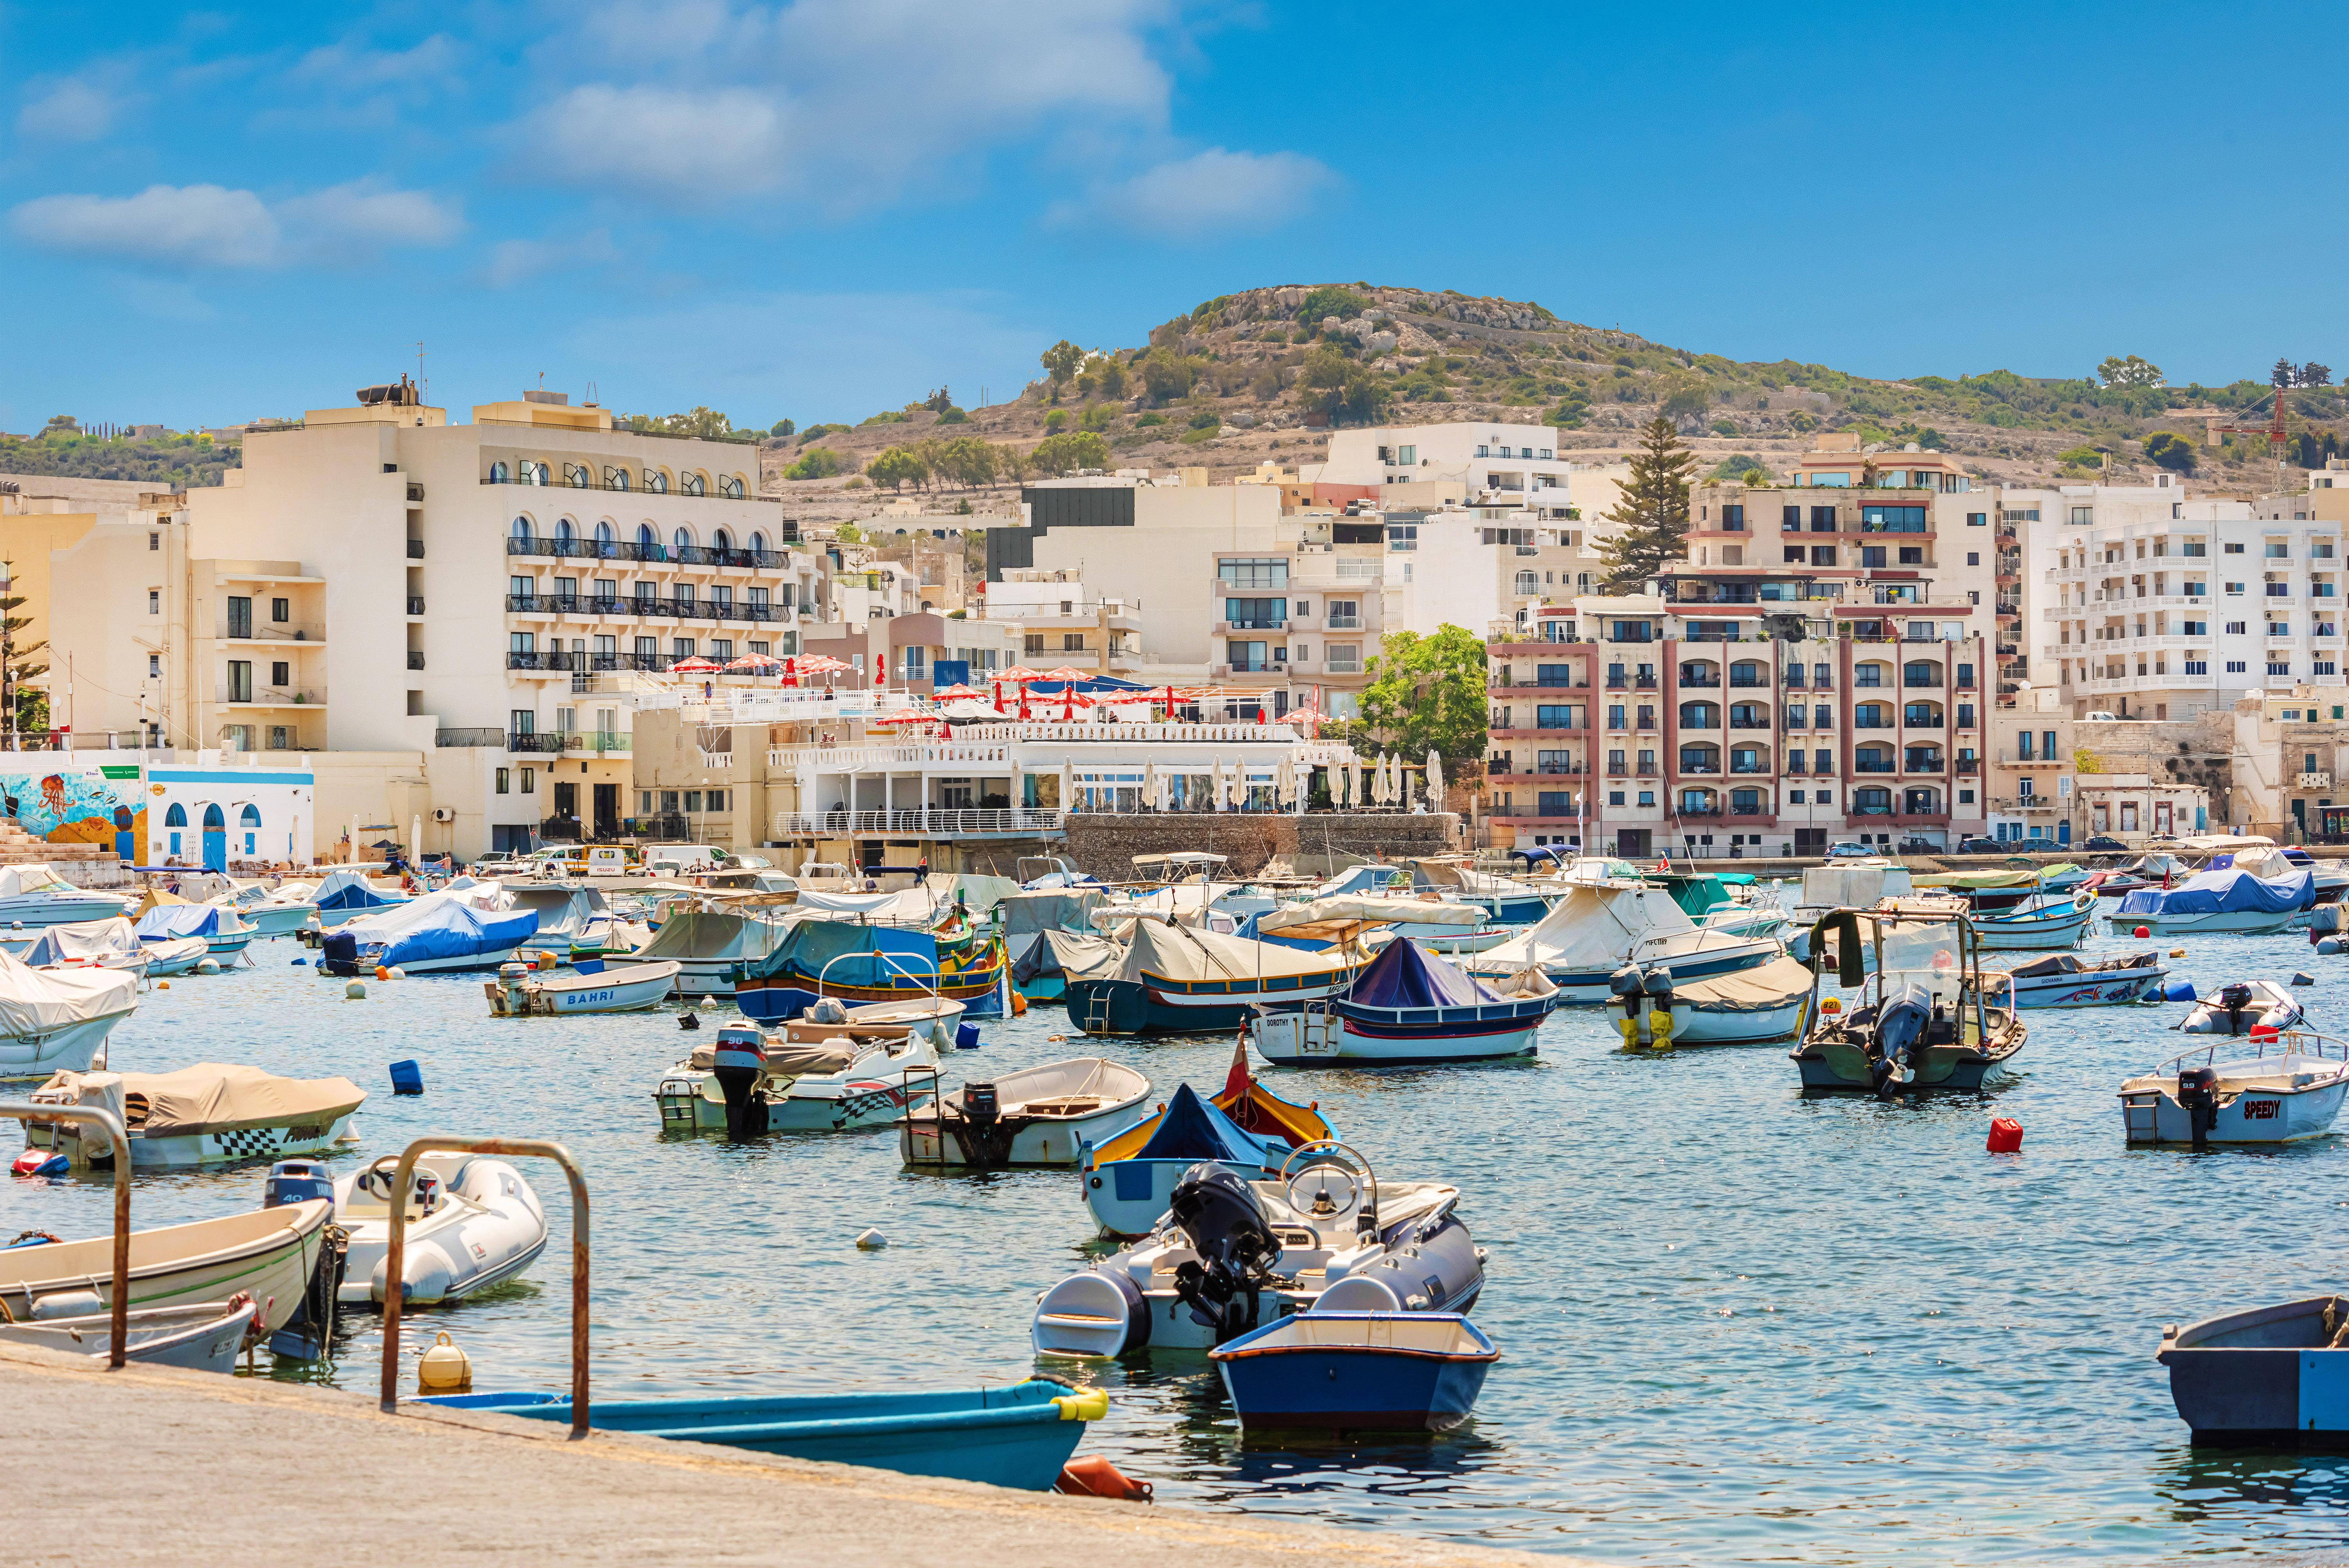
[1016,1436]
[2276,1086]
[1747,1008]
[1924,1021]
[1037,1116]
[1129,1180]
[1591,932]
[1357,1372]
[57,1020]
[1407,1005]
[209,1114]
[2233,900]
[268,1253]
[1231,1255]
[1171,978]
[2271,1377]
[860,963]
[2064,980]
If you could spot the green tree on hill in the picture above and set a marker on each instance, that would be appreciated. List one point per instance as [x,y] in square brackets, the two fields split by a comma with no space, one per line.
[2116,371]
[1061,362]
[1652,517]
[1074,449]
[820,463]
[1331,383]
[898,467]
[2171,452]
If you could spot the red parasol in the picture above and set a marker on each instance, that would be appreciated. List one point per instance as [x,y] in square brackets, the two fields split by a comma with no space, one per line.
[954,691]
[1020,673]
[695,665]
[758,664]
[1066,674]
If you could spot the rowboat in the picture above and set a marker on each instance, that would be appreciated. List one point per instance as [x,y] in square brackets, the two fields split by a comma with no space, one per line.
[268,1253]
[594,987]
[1744,1008]
[204,1336]
[2271,1377]
[1016,1436]
[2044,921]
[1357,1372]
[1406,1005]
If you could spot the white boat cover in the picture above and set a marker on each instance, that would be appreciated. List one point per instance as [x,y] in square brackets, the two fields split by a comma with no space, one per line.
[919,905]
[1185,952]
[1354,907]
[1853,887]
[1031,913]
[211,1096]
[1757,990]
[84,942]
[37,1001]
[1079,956]
[562,910]
[16,882]
[711,935]
[201,887]
[1592,927]
[1187,901]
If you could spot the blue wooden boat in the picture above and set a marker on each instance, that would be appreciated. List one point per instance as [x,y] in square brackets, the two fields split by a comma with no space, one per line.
[1406,1006]
[1176,979]
[2271,1378]
[1357,1372]
[1015,1436]
[1130,1179]
[862,962]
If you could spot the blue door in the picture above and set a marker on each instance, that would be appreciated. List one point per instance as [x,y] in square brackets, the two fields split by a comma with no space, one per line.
[215,840]
[2064,832]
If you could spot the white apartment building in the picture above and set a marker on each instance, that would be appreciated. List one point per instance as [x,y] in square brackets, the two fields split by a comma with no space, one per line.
[2157,606]
[469,603]
[1516,467]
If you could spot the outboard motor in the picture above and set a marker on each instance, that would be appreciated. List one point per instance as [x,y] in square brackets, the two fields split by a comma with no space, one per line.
[2198,1097]
[339,953]
[297,1181]
[2232,1000]
[1902,1024]
[740,1063]
[1220,1217]
[985,1136]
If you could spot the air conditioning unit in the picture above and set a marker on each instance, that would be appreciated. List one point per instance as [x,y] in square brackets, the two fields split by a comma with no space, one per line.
[443,814]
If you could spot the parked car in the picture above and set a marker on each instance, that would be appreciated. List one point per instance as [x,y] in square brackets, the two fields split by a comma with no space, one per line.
[1981,846]
[2100,717]
[2103,844]
[1916,846]
[1851,851]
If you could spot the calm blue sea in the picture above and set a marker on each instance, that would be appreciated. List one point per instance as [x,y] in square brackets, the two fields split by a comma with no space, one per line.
[1736,1325]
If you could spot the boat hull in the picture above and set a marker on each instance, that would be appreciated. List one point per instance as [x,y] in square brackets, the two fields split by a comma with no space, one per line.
[1996,935]
[269,920]
[1701,1026]
[1325,1035]
[2238,922]
[1135,1007]
[1359,1388]
[461,1250]
[70,1049]
[2153,1116]
[454,964]
[36,910]
[931,1143]
[692,1101]
[1837,1068]
[209,1260]
[2090,988]
[201,1338]
[2263,1378]
[786,996]
[621,989]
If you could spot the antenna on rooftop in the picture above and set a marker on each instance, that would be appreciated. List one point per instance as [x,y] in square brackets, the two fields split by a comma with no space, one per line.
[421,384]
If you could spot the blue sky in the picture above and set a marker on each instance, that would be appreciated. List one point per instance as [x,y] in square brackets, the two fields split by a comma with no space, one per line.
[825,208]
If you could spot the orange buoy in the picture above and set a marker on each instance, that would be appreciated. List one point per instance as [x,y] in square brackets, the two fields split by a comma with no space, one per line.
[1019,1005]
[2005,1135]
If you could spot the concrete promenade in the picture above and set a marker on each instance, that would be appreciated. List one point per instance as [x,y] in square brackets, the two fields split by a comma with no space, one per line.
[149,1466]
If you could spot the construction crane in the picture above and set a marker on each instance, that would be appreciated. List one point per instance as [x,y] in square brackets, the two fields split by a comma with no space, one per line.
[2274,430]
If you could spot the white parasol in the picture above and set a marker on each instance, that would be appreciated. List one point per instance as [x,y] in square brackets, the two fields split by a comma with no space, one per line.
[1435,780]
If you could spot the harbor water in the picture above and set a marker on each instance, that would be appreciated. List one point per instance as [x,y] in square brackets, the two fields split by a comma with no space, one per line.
[1736,1324]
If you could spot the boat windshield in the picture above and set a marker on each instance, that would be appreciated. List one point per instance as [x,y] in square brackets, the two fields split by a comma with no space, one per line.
[1931,953]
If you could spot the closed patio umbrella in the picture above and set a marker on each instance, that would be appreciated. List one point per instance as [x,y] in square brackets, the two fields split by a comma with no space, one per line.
[1434,780]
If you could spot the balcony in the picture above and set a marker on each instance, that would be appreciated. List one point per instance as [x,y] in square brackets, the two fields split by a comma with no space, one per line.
[526,742]
[1644,683]
[1345,624]
[469,737]
[1749,723]
[1747,682]
[674,555]
[546,663]
[415,605]
[1866,765]
[2318,780]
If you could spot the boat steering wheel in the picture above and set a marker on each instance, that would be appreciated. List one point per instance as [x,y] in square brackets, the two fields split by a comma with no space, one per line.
[375,1179]
[1362,1185]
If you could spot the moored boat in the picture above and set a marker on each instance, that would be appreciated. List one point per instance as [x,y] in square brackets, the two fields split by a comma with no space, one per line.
[2042,922]
[472,1222]
[209,1114]
[90,944]
[1357,1372]
[1589,934]
[268,1253]
[35,895]
[443,933]
[2233,899]
[1035,1116]
[1405,1006]
[596,987]
[57,1020]
[1924,1020]
[2270,1377]
[1130,1179]
[711,947]
[164,917]
[2276,1086]
[347,894]
[860,961]
[1171,978]
[2243,1007]
[749,1084]
[202,1336]
[1746,1007]
[2064,980]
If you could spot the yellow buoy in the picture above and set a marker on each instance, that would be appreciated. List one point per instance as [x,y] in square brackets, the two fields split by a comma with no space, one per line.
[1831,1006]
[162,984]
[444,1369]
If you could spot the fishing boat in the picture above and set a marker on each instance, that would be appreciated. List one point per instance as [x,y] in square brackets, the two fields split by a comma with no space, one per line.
[2268,1377]
[1507,900]
[270,1254]
[860,961]
[2233,899]
[1389,888]
[34,895]
[712,947]
[163,917]
[1129,1180]
[1231,1255]
[57,1020]
[202,1336]
[346,893]
[1042,974]
[1357,1372]
[1993,893]
[748,1083]
[1589,935]
[91,945]
[2276,1086]
[1846,884]
[1171,978]
[1405,1006]
[210,1114]
[1030,916]
[1035,1116]
[444,933]
[573,920]
[594,987]
[1746,1007]
[2064,980]
[1016,1436]
[1925,1020]
[2044,921]
[2244,1008]
[472,1222]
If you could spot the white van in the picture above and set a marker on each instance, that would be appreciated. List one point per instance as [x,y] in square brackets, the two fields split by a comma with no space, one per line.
[673,860]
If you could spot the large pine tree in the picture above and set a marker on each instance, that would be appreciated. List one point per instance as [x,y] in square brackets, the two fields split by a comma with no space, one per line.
[1651,519]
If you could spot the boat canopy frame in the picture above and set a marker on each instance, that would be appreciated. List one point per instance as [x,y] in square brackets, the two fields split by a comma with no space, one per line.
[1852,972]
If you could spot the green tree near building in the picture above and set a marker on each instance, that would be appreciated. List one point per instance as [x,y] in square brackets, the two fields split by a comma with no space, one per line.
[1427,693]
[1070,450]
[898,467]
[28,707]
[1652,519]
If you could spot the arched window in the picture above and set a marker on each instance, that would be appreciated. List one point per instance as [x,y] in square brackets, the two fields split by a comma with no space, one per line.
[522,529]
[758,542]
[177,817]
[682,539]
[213,819]
[498,474]
[655,481]
[563,532]
[722,540]
[615,478]
[1699,715]
[1922,715]
[533,473]
[1528,583]
[1872,801]
[646,538]
[730,486]
[604,533]
[1873,759]
[250,817]
[1703,757]
[692,484]
[1696,803]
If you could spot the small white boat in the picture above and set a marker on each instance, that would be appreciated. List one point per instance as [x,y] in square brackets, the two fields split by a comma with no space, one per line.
[174,955]
[2064,980]
[2243,1008]
[802,1085]
[34,895]
[271,913]
[204,1336]
[268,1253]
[572,917]
[1705,952]
[615,988]
[166,917]
[1036,1116]
[2039,923]
[1749,1007]
[472,1222]
[1407,1005]
[2275,1087]
[210,1114]
[57,1020]
[90,944]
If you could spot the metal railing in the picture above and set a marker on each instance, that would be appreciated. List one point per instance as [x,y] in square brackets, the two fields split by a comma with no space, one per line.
[612,604]
[403,1178]
[479,736]
[118,1333]
[927,821]
[669,554]
[529,740]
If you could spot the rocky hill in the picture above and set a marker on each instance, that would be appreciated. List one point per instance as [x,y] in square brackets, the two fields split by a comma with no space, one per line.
[1258,376]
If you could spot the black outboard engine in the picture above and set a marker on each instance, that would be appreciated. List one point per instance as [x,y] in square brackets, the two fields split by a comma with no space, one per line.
[1220,1217]
[2232,1000]
[985,1136]
[740,1063]
[339,953]
[2198,1097]
[1902,1024]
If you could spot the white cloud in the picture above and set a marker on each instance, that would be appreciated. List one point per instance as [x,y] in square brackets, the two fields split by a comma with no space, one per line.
[75,109]
[191,225]
[1207,194]
[680,145]
[212,226]
[347,67]
[515,262]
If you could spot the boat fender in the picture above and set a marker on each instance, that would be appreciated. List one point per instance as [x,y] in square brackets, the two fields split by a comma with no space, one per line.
[1631,1029]
[208,966]
[2198,1096]
[1659,1027]
[1083,1405]
[2178,991]
[1094,1476]
[67,1304]
[2329,947]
